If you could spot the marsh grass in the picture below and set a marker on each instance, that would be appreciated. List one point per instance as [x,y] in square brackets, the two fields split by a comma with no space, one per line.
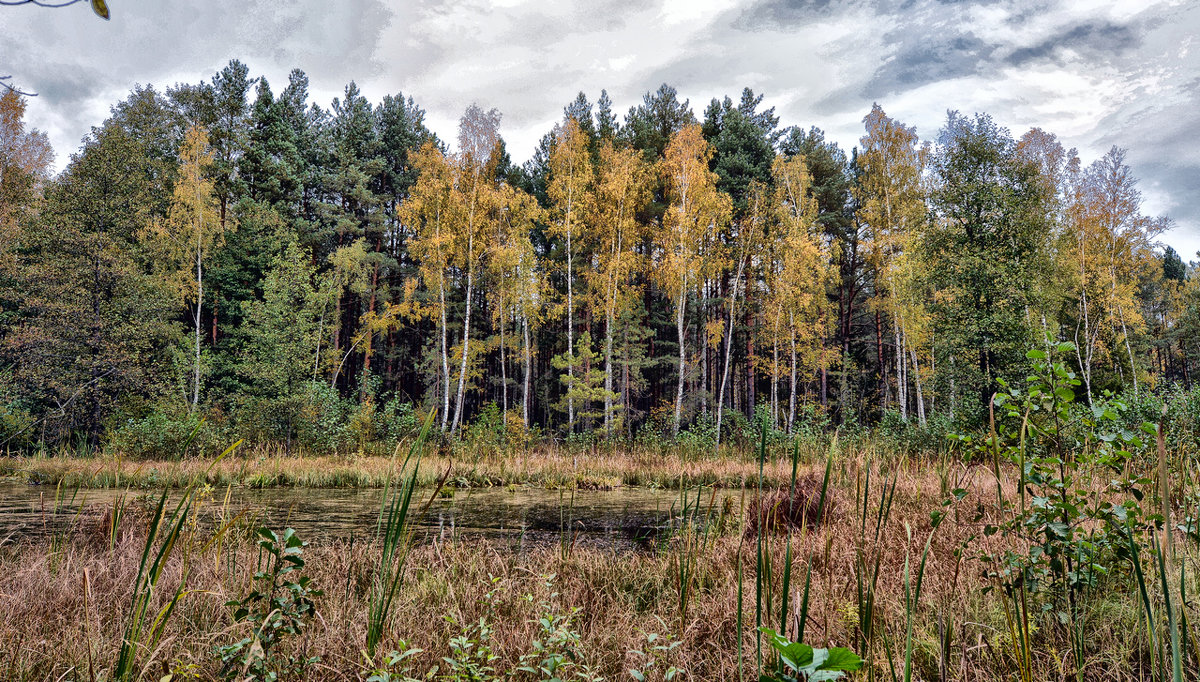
[874,572]
[545,465]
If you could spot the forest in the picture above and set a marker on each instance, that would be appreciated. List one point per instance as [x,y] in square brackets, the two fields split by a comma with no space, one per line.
[315,277]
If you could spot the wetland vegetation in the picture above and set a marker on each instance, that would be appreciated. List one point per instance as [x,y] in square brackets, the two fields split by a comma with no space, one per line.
[681,397]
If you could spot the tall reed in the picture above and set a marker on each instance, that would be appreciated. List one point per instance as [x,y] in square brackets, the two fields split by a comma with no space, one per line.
[150,570]
[394,532]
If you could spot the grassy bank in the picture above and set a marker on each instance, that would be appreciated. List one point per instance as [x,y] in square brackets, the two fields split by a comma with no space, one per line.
[543,466]
[857,576]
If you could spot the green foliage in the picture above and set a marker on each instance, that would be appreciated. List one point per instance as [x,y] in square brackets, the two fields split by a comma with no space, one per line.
[333,308]
[586,385]
[162,537]
[16,422]
[555,654]
[278,606]
[913,437]
[395,420]
[169,432]
[394,532]
[1074,534]
[802,663]
[1069,537]
[471,657]
[396,665]
[990,249]
[324,418]
[656,659]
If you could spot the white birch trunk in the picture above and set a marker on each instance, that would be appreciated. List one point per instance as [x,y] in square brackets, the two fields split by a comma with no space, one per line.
[462,371]
[679,316]
[792,392]
[199,301]
[528,374]
[728,347]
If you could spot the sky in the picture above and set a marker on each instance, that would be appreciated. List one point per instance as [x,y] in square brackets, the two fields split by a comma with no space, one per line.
[1096,73]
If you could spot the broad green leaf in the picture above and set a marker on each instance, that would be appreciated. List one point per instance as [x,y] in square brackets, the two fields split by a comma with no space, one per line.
[842,659]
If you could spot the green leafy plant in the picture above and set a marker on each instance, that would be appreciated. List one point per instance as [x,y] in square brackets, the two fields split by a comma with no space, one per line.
[655,659]
[393,530]
[1071,530]
[471,657]
[280,604]
[555,651]
[802,663]
[395,667]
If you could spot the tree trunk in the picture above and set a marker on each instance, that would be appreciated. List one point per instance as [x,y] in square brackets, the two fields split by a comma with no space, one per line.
[462,370]
[368,350]
[792,390]
[445,353]
[199,302]
[901,380]
[320,333]
[920,393]
[608,372]
[503,369]
[775,381]
[728,347]
[525,398]
[679,316]
[570,323]
[1128,349]
[882,385]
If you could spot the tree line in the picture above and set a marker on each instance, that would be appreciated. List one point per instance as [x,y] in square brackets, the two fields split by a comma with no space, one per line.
[221,250]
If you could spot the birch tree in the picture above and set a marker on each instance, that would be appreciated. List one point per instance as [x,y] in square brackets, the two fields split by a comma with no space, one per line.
[191,230]
[431,212]
[1121,239]
[892,206]
[622,192]
[796,269]
[475,165]
[696,210]
[514,285]
[744,244]
[570,178]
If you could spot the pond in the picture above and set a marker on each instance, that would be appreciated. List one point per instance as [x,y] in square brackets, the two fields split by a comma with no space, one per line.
[521,517]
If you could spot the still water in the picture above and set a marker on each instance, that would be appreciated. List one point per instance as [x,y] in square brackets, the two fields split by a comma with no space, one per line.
[521,516]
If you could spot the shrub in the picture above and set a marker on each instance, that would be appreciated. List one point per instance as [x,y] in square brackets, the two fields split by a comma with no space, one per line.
[395,420]
[167,433]
[913,437]
[16,423]
[324,416]
[279,605]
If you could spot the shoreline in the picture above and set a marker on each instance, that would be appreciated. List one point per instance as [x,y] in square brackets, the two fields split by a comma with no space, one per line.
[550,471]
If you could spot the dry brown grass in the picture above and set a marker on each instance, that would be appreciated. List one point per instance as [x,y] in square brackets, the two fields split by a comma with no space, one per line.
[543,467]
[61,612]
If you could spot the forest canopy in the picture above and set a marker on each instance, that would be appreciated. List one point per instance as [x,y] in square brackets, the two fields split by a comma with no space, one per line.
[317,276]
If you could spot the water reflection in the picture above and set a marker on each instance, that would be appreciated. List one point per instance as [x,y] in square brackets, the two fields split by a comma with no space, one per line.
[520,517]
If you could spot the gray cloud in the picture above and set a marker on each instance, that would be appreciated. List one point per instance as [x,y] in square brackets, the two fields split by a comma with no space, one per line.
[1095,40]
[784,13]
[938,57]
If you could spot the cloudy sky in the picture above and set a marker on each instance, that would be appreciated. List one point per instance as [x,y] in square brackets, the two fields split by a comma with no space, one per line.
[1097,73]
